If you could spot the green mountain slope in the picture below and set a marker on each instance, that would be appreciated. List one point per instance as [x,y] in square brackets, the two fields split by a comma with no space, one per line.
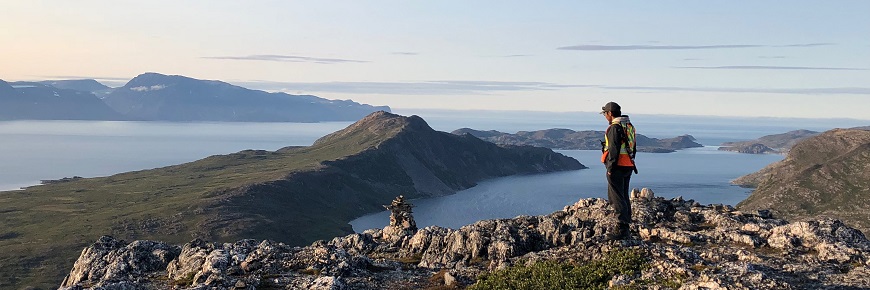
[825,175]
[294,195]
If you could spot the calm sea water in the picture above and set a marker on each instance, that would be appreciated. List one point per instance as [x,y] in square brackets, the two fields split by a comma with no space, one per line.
[31,151]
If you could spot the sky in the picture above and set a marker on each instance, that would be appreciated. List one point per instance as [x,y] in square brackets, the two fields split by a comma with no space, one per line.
[803,59]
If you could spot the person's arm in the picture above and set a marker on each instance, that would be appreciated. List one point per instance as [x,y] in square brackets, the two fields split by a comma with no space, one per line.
[614,135]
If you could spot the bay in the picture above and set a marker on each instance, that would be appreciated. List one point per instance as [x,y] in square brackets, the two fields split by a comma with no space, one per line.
[702,174]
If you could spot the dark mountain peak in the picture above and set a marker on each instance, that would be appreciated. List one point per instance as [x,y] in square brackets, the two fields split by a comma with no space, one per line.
[85,85]
[376,128]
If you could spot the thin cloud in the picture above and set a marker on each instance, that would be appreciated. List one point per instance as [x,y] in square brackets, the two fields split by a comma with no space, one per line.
[405,53]
[517,55]
[592,47]
[595,47]
[761,67]
[287,58]
[806,44]
[445,87]
[772,57]
[797,91]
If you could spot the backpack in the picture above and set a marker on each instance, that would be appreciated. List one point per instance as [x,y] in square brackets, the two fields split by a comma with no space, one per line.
[629,134]
[631,144]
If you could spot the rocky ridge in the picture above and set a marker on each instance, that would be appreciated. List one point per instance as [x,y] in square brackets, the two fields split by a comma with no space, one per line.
[566,139]
[687,246]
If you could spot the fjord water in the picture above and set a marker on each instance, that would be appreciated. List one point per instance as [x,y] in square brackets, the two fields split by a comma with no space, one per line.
[31,151]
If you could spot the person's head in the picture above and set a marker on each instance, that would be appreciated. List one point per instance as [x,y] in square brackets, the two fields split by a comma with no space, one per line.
[611,110]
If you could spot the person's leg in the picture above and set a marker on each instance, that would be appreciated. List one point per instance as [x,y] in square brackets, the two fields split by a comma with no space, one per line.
[618,197]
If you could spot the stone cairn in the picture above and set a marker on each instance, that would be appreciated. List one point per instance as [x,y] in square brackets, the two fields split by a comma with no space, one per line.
[401,220]
[645,193]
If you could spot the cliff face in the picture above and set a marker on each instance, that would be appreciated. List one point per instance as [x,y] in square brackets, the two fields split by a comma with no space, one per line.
[567,139]
[826,175]
[683,244]
[295,195]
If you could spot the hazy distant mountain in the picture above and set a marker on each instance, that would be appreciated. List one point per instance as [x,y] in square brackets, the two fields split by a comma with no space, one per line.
[777,143]
[295,195]
[5,88]
[153,96]
[39,101]
[577,140]
[86,85]
[825,175]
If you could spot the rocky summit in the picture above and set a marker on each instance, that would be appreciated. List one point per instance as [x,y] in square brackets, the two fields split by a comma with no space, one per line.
[684,245]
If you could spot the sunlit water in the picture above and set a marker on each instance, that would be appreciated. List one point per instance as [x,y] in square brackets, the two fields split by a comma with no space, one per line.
[702,174]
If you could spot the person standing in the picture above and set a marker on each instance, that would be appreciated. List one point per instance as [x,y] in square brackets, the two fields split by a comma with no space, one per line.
[618,158]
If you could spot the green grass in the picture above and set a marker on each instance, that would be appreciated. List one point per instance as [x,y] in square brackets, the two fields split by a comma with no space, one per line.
[561,275]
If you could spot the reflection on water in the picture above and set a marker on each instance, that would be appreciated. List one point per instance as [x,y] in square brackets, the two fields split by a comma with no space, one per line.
[702,174]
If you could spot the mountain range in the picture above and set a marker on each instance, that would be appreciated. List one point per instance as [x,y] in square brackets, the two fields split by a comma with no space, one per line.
[39,101]
[566,139]
[158,97]
[825,175]
[295,195]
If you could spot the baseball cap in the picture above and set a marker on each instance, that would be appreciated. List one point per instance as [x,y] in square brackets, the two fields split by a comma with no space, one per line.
[610,107]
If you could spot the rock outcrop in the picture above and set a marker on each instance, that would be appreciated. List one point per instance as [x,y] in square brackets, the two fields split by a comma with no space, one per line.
[687,246]
[566,139]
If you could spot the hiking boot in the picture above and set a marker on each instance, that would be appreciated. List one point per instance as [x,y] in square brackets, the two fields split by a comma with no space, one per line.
[615,235]
[620,233]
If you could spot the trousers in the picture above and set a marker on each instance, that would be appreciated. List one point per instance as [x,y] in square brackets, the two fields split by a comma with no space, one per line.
[617,192]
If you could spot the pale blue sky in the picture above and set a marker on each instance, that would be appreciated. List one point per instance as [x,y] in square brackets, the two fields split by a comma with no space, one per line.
[724,58]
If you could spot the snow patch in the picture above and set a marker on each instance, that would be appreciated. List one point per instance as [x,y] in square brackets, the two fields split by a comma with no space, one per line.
[151,88]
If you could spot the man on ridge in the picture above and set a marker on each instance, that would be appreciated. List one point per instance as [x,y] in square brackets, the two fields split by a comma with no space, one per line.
[618,157]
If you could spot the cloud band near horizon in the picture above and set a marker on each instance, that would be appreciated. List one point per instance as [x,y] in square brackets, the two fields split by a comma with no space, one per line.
[596,47]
